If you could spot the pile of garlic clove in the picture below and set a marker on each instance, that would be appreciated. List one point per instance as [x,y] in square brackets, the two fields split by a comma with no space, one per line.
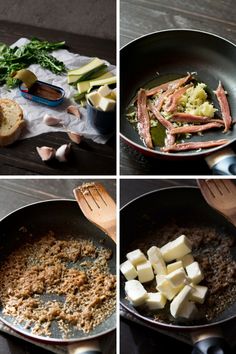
[177,278]
[48,153]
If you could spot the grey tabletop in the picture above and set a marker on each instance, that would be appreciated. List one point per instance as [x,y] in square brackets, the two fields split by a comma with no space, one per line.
[140,17]
[15,193]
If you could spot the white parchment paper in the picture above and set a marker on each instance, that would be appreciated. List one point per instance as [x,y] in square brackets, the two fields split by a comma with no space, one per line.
[34,112]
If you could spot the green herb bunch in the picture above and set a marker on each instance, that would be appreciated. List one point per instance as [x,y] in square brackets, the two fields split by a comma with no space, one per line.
[35,52]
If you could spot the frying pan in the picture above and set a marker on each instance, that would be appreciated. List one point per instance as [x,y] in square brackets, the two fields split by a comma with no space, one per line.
[162,56]
[145,215]
[65,218]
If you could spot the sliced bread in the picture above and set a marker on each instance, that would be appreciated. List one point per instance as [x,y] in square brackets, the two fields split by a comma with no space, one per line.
[11,121]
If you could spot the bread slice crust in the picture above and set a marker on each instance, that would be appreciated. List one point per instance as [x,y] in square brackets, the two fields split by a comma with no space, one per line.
[11,121]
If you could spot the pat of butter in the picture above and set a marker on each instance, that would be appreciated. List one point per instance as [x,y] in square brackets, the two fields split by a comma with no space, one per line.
[177,304]
[94,98]
[173,266]
[104,90]
[145,272]
[136,257]
[155,301]
[187,259]
[157,261]
[189,310]
[198,293]
[166,288]
[128,270]
[177,277]
[135,292]
[106,104]
[194,272]
[176,249]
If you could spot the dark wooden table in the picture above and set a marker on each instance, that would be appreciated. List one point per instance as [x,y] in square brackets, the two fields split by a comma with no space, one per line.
[137,337]
[140,17]
[15,193]
[88,158]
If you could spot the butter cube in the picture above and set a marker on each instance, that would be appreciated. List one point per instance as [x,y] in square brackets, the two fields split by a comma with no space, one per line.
[173,266]
[128,270]
[198,293]
[135,292]
[187,259]
[145,272]
[177,277]
[157,261]
[136,257]
[167,289]
[104,90]
[194,272]
[160,278]
[107,104]
[176,249]
[155,301]
[177,304]
[94,98]
[189,310]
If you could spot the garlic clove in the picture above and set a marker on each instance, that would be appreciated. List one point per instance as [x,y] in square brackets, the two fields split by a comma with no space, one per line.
[50,120]
[46,153]
[74,110]
[63,152]
[75,137]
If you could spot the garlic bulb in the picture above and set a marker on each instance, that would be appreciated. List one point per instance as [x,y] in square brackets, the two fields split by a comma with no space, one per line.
[50,120]
[74,110]
[75,137]
[46,153]
[63,152]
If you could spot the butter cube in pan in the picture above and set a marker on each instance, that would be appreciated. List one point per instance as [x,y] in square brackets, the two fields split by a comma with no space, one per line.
[173,266]
[188,311]
[135,292]
[194,272]
[167,289]
[136,257]
[155,301]
[145,272]
[198,293]
[177,304]
[187,259]
[176,249]
[157,261]
[128,270]
[177,277]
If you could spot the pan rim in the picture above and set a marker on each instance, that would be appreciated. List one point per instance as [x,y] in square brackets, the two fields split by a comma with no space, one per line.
[44,339]
[202,153]
[158,323]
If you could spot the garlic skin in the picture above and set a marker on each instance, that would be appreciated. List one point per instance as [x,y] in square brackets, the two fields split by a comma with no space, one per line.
[63,152]
[75,137]
[74,110]
[46,153]
[50,120]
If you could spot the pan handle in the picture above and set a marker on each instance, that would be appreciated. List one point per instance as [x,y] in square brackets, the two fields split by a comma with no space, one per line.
[210,342]
[222,162]
[85,347]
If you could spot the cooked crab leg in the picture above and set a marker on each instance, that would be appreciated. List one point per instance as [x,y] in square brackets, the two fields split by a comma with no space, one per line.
[194,145]
[224,106]
[195,128]
[143,119]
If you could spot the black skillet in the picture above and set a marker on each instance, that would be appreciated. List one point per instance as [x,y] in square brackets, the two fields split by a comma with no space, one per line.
[148,213]
[65,218]
[162,56]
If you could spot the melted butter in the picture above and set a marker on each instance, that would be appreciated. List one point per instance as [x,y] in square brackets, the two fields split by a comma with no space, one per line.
[158,135]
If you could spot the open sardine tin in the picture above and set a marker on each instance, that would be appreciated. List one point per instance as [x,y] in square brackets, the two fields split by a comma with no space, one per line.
[43,92]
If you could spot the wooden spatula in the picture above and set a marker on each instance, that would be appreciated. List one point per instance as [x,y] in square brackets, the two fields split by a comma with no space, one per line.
[220,194]
[98,207]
